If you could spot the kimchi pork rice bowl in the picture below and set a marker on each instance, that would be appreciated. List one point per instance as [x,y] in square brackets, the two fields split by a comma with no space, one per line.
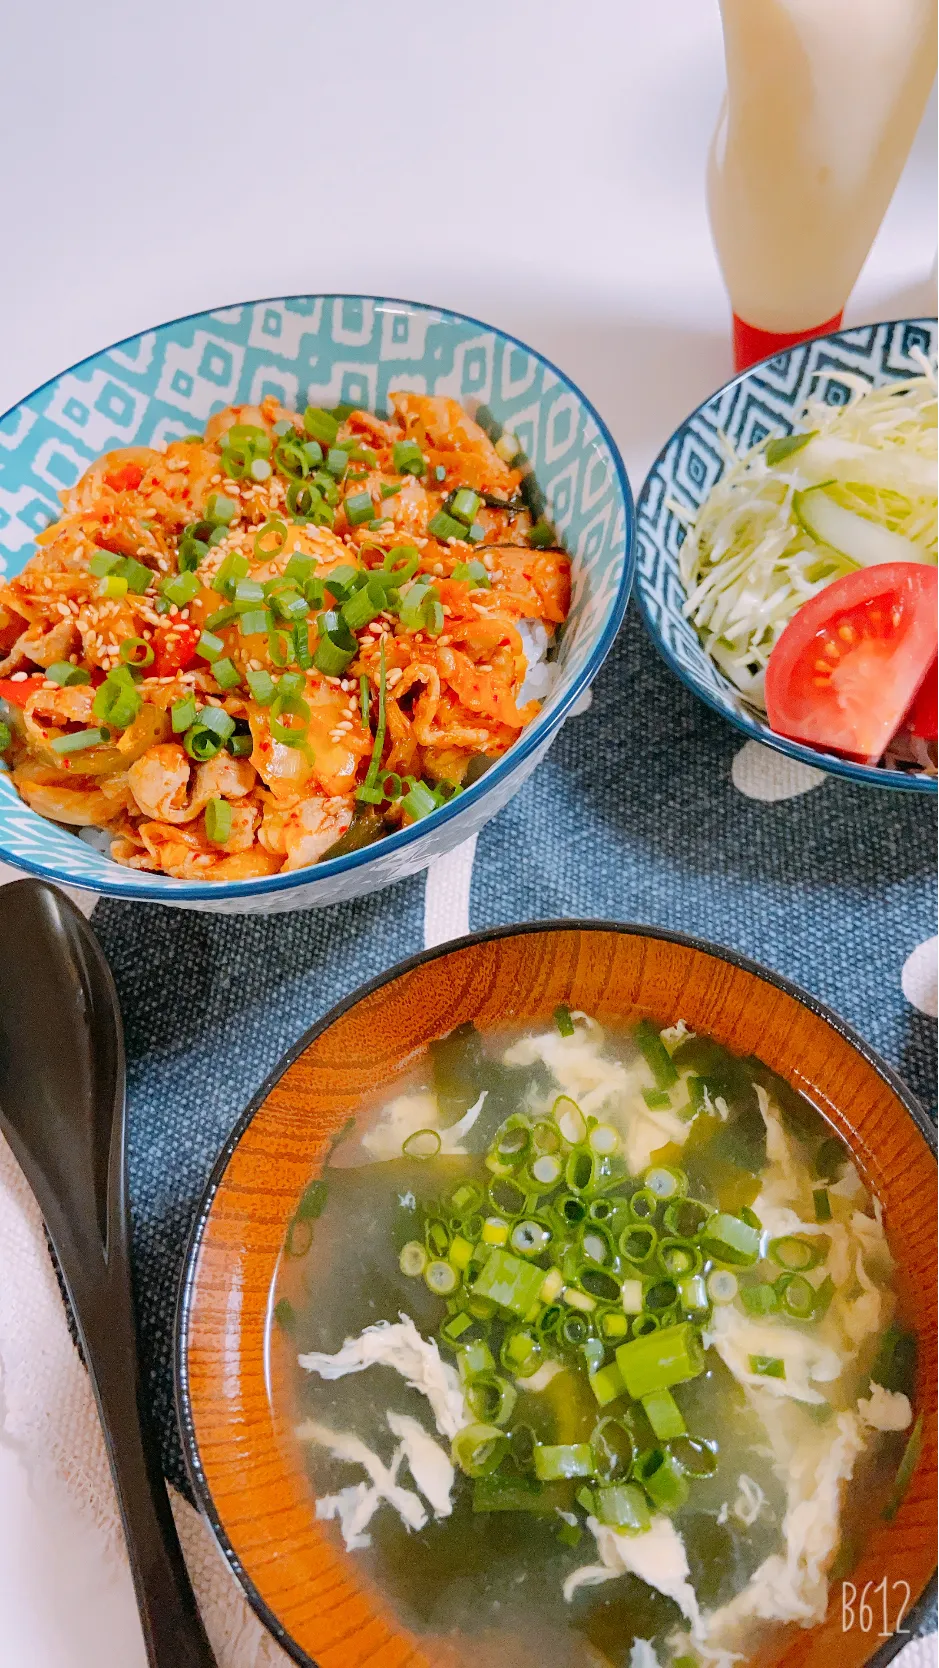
[299,635]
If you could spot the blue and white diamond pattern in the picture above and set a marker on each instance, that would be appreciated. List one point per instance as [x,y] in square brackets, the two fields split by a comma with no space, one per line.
[765,399]
[323,350]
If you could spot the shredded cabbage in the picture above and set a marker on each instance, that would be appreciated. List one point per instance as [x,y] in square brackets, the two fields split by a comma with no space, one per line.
[748,563]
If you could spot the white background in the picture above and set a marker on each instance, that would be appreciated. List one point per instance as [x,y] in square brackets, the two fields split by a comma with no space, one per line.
[536,163]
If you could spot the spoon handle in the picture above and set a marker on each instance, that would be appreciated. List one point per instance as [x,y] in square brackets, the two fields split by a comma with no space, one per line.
[172,1628]
[62,1110]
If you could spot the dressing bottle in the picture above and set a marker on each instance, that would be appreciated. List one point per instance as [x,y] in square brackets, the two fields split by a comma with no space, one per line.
[823,101]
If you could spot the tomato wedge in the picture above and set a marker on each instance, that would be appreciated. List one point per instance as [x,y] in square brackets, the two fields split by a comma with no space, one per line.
[850,662]
[923,717]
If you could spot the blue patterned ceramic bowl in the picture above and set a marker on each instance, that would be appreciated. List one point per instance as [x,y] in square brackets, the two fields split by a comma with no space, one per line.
[323,350]
[766,399]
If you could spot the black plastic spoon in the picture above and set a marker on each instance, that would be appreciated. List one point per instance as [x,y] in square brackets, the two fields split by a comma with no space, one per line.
[62,1111]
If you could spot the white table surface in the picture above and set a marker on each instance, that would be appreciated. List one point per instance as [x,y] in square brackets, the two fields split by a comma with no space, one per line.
[536,163]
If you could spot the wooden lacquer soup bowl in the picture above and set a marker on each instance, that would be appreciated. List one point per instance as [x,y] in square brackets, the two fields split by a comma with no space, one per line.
[234,1369]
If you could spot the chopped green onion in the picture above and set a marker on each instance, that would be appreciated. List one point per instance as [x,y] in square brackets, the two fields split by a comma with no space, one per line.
[729,1239]
[221,617]
[234,567]
[440,473]
[529,1238]
[79,740]
[358,507]
[202,743]
[822,1204]
[638,1244]
[479,1450]
[622,1506]
[68,676]
[684,1218]
[183,714]
[566,1459]
[545,1170]
[210,646]
[226,673]
[218,721]
[570,1120]
[443,527]
[767,1366]
[796,1296]
[6,736]
[643,1204]
[679,1258]
[113,585]
[696,1457]
[102,563]
[657,1100]
[491,1398]
[669,1357]
[509,1282]
[693,1293]
[220,509]
[664,1414]
[133,651]
[136,574]
[262,687]
[337,462]
[607,1384]
[320,425]
[761,1299]
[441,1277]
[521,1353]
[180,588]
[473,574]
[370,792]
[407,458]
[722,1286]
[664,1182]
[422,1143]
[218,819]
[631,1297]
[364,606]
[791,1252]
[336,646]
[654,1052]
[419,801]
[241,745]
[662,1477]
[288,606]
[116,701]
[464,504]
[253,621]
[563,1021]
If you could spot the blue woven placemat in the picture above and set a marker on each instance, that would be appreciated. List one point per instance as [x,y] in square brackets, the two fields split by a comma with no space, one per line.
[633,816]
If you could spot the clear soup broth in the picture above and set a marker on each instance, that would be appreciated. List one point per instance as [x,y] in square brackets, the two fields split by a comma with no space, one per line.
[598,1352]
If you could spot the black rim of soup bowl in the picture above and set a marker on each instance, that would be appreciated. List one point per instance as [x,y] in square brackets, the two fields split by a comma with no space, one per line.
[918,1611]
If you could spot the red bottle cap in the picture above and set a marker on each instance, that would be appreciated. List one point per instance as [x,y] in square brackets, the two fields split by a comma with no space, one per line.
[751,344]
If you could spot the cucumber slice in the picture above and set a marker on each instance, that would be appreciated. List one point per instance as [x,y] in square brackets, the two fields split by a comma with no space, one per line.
[865,542]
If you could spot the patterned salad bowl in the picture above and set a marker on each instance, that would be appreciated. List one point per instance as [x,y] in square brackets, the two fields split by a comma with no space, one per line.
[766,399]
[324,350]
